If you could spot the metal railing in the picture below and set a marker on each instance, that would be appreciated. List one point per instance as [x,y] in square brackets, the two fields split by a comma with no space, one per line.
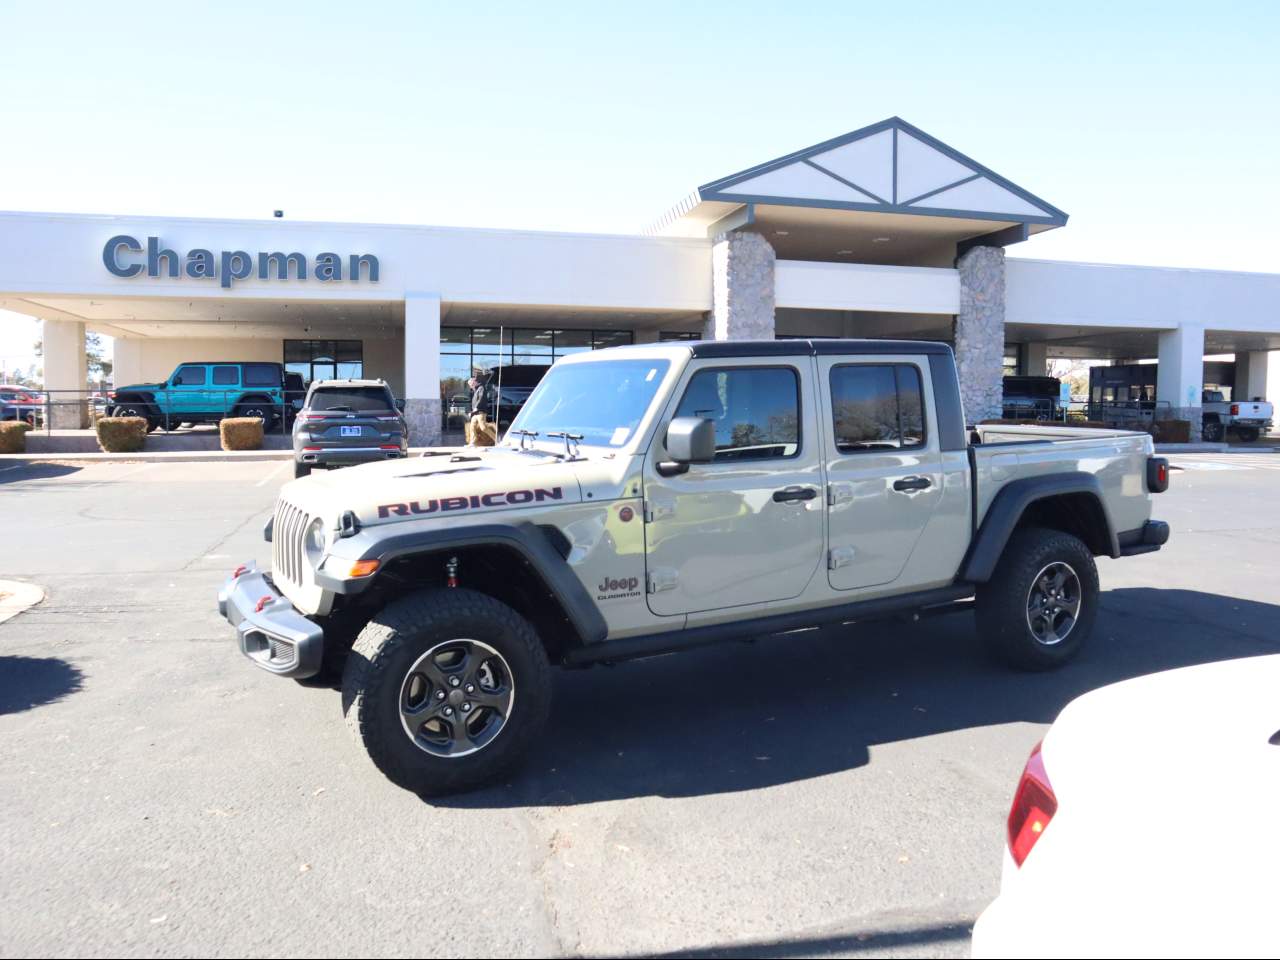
[80,409]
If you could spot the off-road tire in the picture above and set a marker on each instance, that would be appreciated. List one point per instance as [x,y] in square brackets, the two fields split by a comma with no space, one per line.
[256,408]
[386,650]
[1002,603]
[301,469]
[1211,431]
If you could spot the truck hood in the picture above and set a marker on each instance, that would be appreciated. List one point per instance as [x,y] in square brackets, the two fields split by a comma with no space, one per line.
[140,386]
[446,483]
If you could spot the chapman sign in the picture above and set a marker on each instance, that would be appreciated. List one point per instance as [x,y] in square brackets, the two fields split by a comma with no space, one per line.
[124,256]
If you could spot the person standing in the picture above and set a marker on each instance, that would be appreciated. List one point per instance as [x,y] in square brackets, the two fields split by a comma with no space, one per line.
[477,424]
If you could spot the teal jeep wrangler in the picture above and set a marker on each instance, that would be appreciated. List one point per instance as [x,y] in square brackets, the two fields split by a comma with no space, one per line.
[205,393]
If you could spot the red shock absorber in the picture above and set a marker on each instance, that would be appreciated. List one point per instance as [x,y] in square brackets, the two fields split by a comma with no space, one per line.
[451,572]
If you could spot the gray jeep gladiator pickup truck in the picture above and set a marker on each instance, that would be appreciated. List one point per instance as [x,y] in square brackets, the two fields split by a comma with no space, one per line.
[653,498]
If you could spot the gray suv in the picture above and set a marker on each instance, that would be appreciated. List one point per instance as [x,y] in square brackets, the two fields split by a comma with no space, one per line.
[345,422]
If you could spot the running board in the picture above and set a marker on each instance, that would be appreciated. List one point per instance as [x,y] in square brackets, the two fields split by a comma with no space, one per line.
[653,644]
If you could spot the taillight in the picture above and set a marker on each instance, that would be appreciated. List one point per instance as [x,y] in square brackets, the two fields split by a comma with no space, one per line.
[315,416]
[1157,474]
[1033,807]
[1235,409]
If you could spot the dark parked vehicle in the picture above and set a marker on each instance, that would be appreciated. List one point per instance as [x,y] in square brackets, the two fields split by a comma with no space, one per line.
[1032,398]
[345,422]
[295,394]
[507,388]
[203,392]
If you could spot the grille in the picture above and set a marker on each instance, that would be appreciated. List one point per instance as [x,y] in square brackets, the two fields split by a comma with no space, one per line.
[288,556]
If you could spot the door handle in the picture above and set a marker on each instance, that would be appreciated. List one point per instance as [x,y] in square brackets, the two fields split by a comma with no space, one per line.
[793,494]
[907,484]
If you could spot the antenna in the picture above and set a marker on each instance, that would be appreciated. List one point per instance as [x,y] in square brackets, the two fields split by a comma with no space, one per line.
[497,412]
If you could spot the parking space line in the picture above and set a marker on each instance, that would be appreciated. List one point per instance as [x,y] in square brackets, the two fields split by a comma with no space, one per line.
[131,473]
[264,480]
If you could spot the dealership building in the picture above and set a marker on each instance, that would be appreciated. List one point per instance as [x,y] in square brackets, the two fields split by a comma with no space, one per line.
[883,232]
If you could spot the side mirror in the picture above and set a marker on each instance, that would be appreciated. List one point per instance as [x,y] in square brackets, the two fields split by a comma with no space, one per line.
[689,440]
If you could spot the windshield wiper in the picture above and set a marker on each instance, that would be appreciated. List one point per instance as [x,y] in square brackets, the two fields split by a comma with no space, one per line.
[525,434]
[570,452]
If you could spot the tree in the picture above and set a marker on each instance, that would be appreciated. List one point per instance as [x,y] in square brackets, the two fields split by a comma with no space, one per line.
[99,367]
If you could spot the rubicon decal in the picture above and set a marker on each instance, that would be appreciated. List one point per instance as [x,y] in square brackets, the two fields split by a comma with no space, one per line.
[507,498]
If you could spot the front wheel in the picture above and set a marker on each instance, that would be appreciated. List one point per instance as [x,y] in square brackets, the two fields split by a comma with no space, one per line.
[301,469]
[447,690]
[1039,607]
[1212,432]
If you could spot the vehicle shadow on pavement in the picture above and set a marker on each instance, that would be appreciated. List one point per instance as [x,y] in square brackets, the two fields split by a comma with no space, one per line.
[29,682]
[740,717]
[35,470]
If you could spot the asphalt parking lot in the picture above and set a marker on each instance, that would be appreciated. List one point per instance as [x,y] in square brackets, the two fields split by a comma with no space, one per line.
[829,794]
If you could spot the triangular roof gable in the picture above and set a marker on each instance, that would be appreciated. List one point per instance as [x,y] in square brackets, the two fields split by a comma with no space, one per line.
[890,167]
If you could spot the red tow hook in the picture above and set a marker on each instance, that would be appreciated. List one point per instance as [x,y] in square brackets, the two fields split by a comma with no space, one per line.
[262,602]
[239,571]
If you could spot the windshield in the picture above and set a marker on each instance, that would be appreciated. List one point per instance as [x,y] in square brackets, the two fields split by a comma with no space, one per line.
[356,399]
[603,400]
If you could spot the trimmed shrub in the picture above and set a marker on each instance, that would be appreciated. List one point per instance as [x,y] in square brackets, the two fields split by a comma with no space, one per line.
[13,436]
[241,433]
[121,434]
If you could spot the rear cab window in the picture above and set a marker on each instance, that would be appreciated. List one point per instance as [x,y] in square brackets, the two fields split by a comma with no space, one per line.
[352,399]
[262,375]
[877,406]
[756,410]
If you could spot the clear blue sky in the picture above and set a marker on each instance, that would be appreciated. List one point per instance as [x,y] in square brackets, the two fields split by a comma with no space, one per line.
[1155,125]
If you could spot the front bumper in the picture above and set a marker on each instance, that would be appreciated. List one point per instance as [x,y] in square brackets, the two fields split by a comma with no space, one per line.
[269,630]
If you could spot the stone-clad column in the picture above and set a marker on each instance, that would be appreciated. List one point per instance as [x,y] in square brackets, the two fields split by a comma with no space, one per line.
[422,407]
[66,373]
[742,266]
[979,330]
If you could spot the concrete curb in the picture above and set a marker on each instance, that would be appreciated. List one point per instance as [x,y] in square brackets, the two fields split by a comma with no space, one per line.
[166,456]
[17,596]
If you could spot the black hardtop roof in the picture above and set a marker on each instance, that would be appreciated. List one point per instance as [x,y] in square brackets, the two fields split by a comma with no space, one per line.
[817,347]
[226,363]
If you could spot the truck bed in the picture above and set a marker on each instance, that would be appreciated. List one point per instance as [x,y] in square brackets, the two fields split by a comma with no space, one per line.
[1117,458]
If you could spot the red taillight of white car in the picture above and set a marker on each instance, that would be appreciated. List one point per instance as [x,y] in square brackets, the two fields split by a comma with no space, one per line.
[1033,807]
[1235,409]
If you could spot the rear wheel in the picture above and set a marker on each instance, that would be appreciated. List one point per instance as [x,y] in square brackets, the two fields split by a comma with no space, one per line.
[1039,607]
[1249,434]
[447,690]
[262,411]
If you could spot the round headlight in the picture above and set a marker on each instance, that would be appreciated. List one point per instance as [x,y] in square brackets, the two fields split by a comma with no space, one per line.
[315,542]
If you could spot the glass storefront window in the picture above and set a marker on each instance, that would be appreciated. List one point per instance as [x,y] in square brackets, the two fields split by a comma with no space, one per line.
[467,349]
[324,359]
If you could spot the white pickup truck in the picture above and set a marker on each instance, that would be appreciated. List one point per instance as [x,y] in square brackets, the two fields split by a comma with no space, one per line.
[1248,418]
[654,498]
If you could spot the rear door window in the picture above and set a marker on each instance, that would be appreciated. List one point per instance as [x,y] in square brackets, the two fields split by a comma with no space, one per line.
[352,399]
[225,376]
[261,375]
[877,407]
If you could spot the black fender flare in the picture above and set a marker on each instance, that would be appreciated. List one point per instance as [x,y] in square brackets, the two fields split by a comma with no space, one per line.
[259,398]
[1007,509]
[146,400]
[525,539]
